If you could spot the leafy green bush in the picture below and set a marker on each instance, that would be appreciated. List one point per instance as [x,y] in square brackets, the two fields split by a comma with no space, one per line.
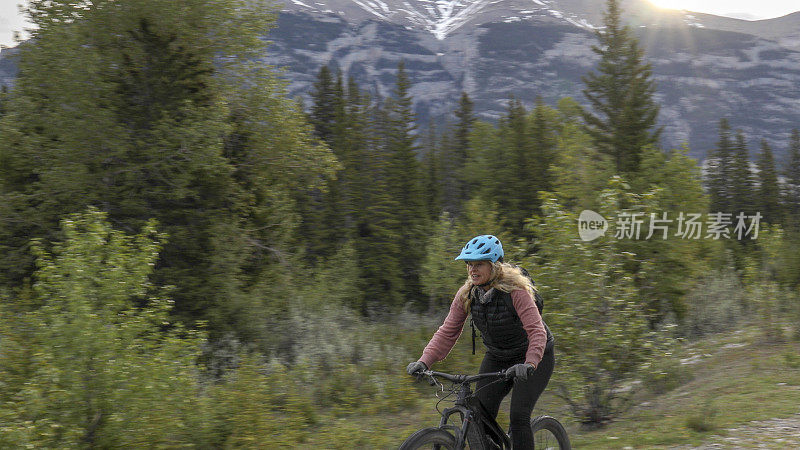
[773,305]
[89,356]
[440,275]
[715,304]
[594,310]
[765,297]
[257,404]
[98,362]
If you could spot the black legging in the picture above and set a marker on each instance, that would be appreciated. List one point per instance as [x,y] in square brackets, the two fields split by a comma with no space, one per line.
[524,397]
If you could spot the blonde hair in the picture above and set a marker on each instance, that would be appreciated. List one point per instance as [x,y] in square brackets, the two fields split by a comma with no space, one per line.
[504,277]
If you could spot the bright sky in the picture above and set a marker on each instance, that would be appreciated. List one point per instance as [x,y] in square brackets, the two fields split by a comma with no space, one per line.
[754,9]
[11,20]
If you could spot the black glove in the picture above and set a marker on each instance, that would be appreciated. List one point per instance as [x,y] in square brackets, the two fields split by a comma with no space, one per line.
[520,371]
[415,367]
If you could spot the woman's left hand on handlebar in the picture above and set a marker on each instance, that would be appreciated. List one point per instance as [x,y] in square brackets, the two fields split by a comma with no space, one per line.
[520,371]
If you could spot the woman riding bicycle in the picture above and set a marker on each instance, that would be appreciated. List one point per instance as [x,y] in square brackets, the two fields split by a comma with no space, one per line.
[500,299]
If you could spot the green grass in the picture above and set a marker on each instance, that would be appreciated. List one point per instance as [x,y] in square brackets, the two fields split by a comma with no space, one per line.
[737,379]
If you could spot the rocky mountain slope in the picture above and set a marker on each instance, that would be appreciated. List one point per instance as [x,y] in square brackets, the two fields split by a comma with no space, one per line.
[8,66]
[706,67]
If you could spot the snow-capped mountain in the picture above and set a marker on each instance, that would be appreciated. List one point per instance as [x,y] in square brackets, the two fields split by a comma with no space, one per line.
[706,67]
[441,17]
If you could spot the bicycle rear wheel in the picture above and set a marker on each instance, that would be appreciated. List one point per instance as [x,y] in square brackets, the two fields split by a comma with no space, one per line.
[433,438]
[548,433]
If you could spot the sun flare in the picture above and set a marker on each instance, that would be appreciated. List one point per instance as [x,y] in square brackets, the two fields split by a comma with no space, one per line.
[761,9]
[675,4]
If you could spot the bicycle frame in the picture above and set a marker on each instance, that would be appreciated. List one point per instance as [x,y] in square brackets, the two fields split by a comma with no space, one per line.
[469,419]
[477,428]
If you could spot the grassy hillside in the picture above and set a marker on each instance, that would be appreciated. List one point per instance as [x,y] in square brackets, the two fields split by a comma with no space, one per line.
[718,391]
[737,379]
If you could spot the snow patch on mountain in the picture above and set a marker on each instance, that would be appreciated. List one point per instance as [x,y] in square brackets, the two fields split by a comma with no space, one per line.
[449,21]
[442,17]
[692,21]
[373,8]
[439,17]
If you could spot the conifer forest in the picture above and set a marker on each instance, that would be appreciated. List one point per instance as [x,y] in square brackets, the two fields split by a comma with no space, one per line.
[190,258]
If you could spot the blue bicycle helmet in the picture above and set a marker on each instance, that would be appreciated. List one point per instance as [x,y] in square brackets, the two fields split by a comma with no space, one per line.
[480,248]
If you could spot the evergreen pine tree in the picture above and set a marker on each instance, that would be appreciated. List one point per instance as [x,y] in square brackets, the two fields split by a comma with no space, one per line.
[544,139]
[623,113]
[769,190]
[325,103]
[791,193]
[718,168]
[365,209]
[522,168]
[130,107]
[455,190]
[367,206]
[404,185]
[378,230]
[487,166]
[324,228]
[515,193]
[355,151]
[740,185]
[432,174]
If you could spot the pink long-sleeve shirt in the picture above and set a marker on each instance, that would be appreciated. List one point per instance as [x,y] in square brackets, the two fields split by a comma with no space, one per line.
[446,336]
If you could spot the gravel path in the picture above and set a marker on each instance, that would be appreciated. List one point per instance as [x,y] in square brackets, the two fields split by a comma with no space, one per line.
[771,433]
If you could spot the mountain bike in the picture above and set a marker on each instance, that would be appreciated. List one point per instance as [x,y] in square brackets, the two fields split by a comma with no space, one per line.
[477,429]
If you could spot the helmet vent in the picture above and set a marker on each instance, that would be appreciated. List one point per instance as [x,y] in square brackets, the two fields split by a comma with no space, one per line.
[485,247]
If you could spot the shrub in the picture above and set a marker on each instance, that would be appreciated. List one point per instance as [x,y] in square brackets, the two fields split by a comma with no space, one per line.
[703,419]
[792,360]
[602,332]
[98,362]
[715,304]
[766,298]
[257,404]
[775,304]
[665,374]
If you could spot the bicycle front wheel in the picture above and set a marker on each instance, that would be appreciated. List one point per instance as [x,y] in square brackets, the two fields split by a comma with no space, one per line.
[548,433]
[433,438]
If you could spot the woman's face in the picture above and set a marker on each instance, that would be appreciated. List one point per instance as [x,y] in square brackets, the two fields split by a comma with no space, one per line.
[479,272]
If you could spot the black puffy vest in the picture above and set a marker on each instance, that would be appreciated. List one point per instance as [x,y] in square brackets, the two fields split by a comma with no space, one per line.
[500,326]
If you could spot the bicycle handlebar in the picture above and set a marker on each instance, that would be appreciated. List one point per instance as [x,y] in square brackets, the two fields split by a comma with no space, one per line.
[461,379]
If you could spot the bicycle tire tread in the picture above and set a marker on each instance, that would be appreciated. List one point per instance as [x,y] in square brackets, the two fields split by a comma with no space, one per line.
[429,436]
[554,427]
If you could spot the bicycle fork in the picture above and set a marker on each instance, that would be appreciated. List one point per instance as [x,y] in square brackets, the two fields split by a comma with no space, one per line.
[467,419]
